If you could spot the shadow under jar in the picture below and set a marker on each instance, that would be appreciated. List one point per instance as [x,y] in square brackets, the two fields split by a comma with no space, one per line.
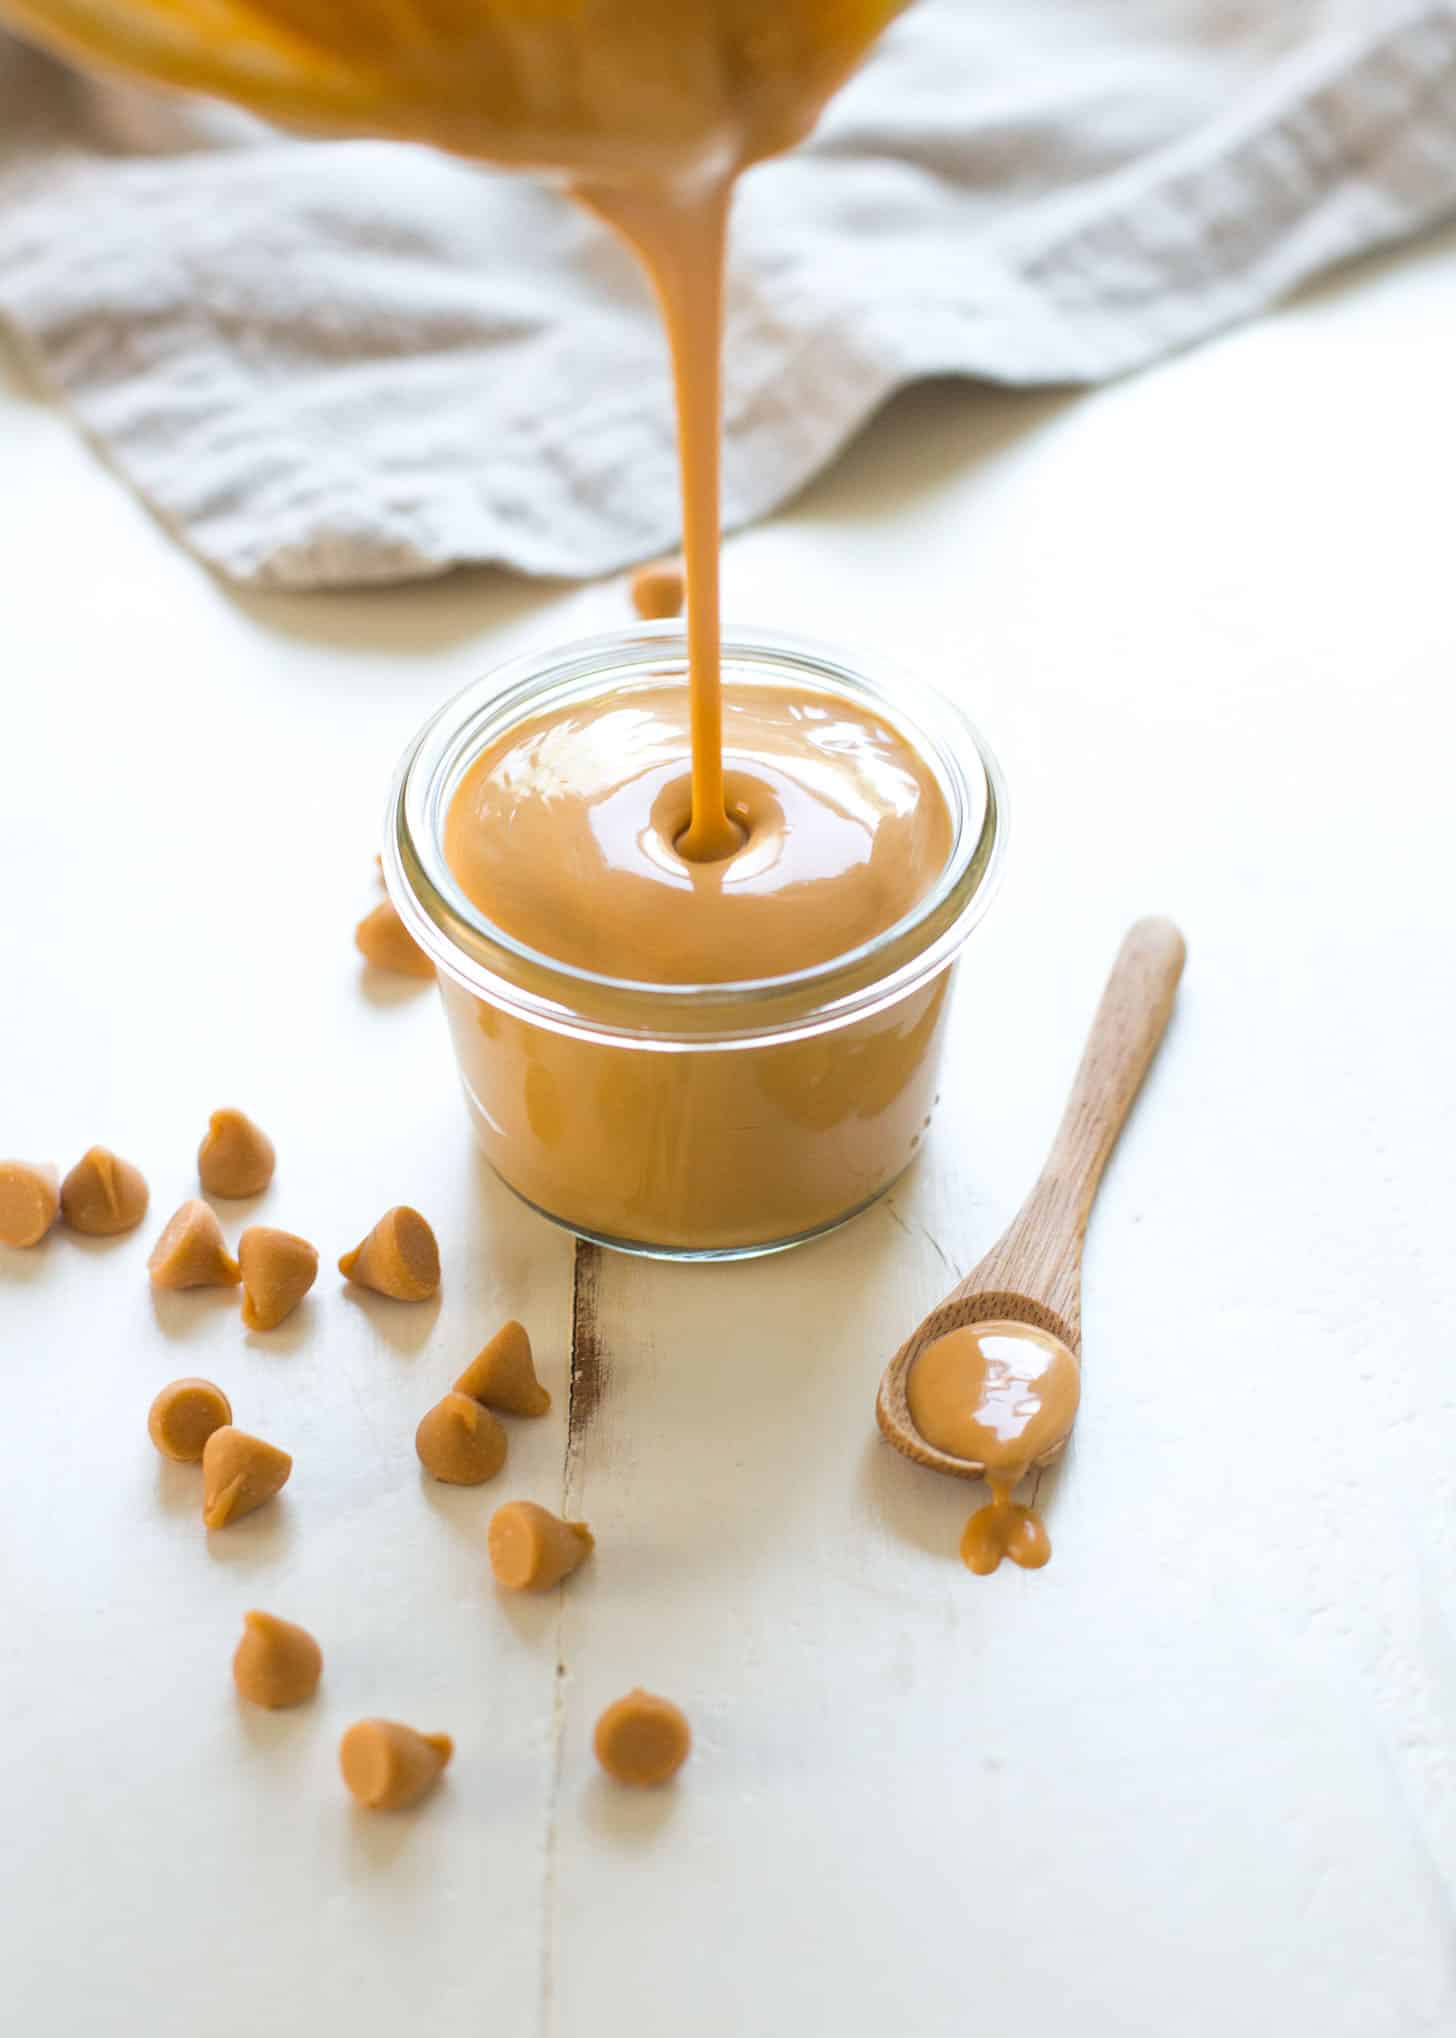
[693,1119]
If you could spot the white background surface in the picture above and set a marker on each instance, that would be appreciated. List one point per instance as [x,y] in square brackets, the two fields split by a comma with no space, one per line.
[1194,1777]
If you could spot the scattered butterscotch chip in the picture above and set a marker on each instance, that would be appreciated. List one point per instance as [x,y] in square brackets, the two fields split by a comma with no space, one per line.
[192,1252]
[503,1376]
[278,1269]
[388,1766]
[239,1472]
[383,939]
[658,590]
[460,1442]
[276,1663]
[184,1415]
[236,1157]
[103,1195]
[532,1549]
[30,1199]
[642,1739]
[399,1257]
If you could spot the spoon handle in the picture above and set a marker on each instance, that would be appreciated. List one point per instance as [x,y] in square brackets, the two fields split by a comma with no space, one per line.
[1043,1248]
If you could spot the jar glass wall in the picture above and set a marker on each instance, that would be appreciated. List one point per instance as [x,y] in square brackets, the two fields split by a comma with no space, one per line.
[713,1120]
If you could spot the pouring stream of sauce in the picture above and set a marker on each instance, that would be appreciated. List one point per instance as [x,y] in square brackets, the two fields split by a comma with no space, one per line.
[680,236]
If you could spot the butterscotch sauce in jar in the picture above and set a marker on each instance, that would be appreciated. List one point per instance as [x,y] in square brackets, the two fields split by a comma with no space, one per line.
[684,1056]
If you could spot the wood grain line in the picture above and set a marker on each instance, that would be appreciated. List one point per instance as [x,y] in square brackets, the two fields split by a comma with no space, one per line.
[588,1361]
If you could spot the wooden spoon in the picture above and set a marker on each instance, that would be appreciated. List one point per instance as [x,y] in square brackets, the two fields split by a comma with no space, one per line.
[1034,1274]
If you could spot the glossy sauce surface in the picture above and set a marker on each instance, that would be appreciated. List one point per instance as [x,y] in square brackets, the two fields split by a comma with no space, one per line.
[567,833]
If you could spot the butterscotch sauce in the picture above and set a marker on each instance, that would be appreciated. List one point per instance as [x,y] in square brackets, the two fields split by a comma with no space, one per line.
[680,234]
[706,840]
[610,88]
[696,1152]
[677,224]
[761,73]
[567,833]
[1000,1395]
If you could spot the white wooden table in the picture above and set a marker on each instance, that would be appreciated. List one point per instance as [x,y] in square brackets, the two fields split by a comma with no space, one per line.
[1194,1778]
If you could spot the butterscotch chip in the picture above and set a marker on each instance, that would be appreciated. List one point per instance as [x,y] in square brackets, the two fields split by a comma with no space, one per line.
[642,1739]
[278,1269]
[192,1253]
[460,1442]
[388,1766]
[236,1157]
[30,1199]
[103,1195]
[184,1415]
[503,1375]
[658,590]
[239,1473]
[399,1257]
[276,1663]
[383,939]
[532,1549]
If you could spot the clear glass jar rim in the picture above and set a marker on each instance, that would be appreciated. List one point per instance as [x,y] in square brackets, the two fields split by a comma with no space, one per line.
[453,930]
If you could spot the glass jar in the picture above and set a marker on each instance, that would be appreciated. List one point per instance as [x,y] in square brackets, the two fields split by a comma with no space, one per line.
[682,1120]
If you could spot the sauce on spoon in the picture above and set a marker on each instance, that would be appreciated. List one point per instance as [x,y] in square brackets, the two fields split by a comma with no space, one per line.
[1001,1395]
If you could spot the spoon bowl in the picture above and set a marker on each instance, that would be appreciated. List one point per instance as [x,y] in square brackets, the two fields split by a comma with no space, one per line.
[961,1312]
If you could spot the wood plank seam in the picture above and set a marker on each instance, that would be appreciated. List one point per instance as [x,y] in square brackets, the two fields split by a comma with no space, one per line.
[583,1396]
